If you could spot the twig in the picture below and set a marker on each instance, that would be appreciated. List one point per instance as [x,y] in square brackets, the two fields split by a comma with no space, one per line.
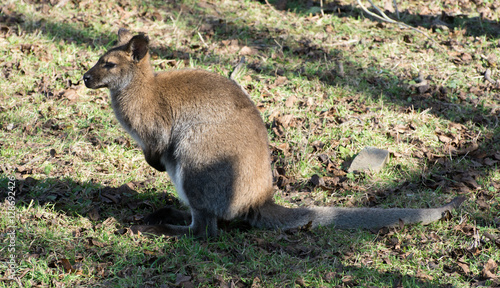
[487,77]
[202,40]
[271,6]
[395,4]
[389,20]
[237,68]
[340,68]
[421,84]
[379,11]
[62,3]
[343,42]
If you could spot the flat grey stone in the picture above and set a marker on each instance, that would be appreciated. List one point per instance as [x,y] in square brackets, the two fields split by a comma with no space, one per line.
[371,159]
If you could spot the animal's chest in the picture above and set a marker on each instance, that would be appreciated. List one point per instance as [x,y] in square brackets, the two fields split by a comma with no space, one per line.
[125,122]
[150,143]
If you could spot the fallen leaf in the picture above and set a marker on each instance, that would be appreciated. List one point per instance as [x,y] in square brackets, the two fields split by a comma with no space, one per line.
[301,282]
[464,266]
[490,162]
[284,147]
[280,80]
[469,148]
[422,275]
[256,283]
[316,180]
[483,205]
[490,269]
[497,156]
[70,94]
[110,198]
[66,265]
[465,228]
[181,278]
[290,101]
[285,120]
[444,139]
[247,51]
[465,58]
[94,242]
[94,214]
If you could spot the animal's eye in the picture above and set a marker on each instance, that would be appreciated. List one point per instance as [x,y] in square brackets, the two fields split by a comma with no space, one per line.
[109,65]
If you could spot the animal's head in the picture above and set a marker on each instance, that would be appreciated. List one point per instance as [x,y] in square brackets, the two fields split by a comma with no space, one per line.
[116,69]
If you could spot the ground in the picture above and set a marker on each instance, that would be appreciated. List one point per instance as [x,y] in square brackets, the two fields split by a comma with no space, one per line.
[328,79]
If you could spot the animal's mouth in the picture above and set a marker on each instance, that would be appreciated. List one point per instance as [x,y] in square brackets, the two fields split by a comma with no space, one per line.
[89,83]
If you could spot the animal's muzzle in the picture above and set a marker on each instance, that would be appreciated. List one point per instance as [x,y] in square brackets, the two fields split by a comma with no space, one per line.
[87,79]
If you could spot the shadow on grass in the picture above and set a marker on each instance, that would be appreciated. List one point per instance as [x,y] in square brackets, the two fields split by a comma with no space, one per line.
[242,247]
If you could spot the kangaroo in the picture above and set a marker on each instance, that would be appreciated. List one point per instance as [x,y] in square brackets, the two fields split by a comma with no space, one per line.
[207,134]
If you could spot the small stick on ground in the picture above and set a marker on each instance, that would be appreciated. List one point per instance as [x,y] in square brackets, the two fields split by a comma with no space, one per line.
[385,18]
[422,84]
[340,68]
[271,6]
[395,4]
[487,77]
[236,69]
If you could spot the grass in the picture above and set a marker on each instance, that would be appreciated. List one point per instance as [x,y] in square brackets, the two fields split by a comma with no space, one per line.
[79,180]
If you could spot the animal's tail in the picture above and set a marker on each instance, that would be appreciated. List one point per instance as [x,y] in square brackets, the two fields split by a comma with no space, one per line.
[273,216]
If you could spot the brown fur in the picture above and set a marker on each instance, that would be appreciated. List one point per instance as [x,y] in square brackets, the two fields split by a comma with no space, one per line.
[204,130]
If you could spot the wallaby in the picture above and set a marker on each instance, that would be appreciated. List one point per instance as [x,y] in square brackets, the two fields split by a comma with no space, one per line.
[205,131]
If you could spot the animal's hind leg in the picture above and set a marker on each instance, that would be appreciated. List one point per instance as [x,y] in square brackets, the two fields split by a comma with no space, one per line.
[203,226]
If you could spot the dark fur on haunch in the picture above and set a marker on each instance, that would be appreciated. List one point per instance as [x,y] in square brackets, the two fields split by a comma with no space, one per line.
[204,130]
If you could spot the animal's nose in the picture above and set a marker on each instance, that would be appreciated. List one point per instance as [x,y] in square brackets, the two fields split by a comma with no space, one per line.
[86,77]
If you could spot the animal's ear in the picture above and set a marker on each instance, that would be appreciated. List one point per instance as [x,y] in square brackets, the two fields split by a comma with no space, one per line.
[138,47]
[123,36]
